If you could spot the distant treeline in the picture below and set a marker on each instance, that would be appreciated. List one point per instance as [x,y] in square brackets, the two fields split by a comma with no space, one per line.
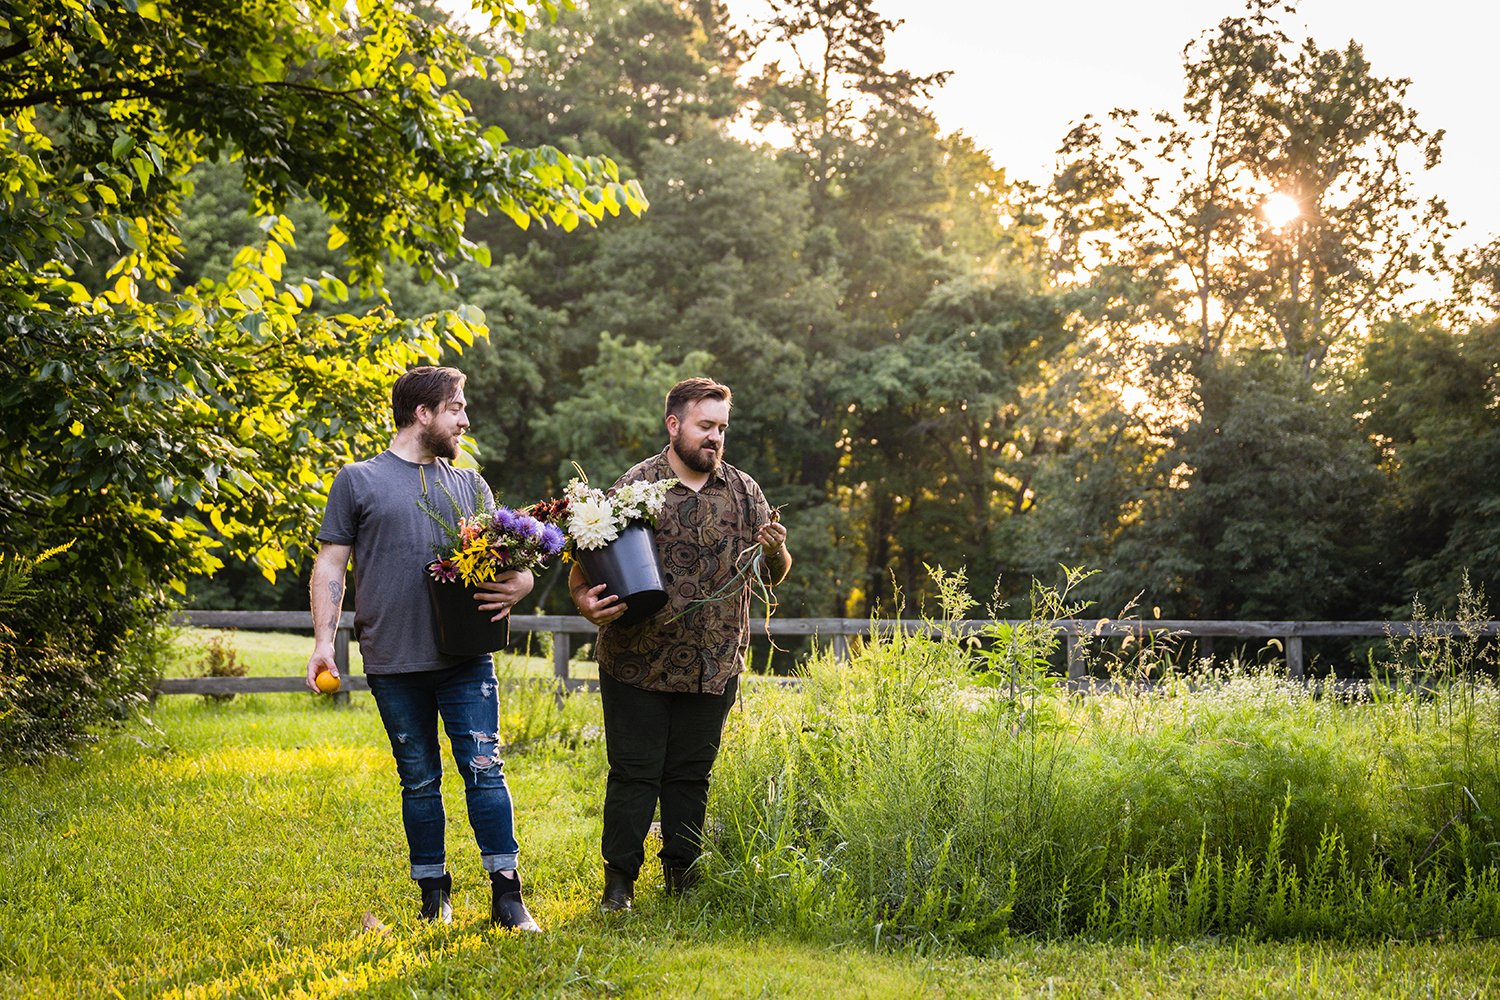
[1134,367]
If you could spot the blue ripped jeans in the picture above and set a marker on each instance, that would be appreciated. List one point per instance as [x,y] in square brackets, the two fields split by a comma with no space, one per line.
[466,698]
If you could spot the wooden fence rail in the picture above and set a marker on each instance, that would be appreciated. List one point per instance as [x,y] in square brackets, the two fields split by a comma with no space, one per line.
[834,631]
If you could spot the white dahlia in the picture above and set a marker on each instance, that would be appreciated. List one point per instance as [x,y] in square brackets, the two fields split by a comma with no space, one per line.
[592,523]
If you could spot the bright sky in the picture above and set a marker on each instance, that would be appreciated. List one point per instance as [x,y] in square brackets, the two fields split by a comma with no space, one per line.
[1023,72]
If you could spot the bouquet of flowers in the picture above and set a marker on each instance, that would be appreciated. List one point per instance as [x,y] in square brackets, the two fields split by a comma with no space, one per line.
[596,518]
[611,536]
[484,543]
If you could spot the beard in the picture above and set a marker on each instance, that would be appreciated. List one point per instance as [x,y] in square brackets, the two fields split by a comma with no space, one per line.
[441,445]
[700,459]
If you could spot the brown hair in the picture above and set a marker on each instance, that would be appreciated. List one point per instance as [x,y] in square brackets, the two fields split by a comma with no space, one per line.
[426,386]
[690,390]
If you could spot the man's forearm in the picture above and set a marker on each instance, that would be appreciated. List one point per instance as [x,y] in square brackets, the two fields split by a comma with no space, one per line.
[326,596]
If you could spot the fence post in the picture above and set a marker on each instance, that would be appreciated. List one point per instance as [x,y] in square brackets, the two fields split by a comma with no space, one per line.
[562,653]
[341,661]
[841,647]
[1076,662]
[1294,662]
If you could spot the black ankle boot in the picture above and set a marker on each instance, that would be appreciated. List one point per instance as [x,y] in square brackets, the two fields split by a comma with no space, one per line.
[506,908]
[436,899]
[679,880]
[619,891]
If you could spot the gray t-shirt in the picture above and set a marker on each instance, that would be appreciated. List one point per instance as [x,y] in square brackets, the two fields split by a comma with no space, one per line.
[373,507]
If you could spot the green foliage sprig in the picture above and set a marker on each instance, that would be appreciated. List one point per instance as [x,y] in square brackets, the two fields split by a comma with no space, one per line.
[17,583]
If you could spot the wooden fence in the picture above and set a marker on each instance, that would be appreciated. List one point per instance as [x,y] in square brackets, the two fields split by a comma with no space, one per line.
[834,632]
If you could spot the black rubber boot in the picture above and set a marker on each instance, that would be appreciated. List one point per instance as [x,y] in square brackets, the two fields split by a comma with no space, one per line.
[679,880]
[619,891]
[506,908]
[436,899]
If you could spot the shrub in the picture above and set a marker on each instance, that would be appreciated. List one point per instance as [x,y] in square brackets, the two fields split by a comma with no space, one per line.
[219,658]
[72,658]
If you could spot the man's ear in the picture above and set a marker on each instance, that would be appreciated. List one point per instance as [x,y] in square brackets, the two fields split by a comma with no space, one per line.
[673,423]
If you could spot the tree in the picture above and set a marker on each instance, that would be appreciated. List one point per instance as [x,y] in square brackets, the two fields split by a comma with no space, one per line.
[1277,209]
[1233,250]
[166,426]
[898,305]
[1479,277]
[940,432]
[618,77]
[1264,508]
[107,108]
[612,420]
[615,419]
[721,265]
[839,78]
[1430,402]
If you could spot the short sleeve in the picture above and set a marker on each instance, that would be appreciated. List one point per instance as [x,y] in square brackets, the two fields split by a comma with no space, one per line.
[340,517]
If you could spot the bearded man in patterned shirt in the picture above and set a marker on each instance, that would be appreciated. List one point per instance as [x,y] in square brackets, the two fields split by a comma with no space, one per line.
[668,683]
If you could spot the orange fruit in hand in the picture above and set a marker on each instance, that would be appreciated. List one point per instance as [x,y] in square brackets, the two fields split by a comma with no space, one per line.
[326,681]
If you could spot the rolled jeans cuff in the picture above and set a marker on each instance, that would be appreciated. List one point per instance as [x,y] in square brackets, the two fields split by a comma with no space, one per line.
[500,862]
[428,871]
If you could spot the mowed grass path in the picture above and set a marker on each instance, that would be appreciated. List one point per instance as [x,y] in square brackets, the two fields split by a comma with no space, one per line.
[236,849]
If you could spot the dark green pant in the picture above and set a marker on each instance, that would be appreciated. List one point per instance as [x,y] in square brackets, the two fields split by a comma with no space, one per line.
[661,748]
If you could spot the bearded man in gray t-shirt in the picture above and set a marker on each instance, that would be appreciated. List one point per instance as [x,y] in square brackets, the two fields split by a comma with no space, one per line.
[374,516]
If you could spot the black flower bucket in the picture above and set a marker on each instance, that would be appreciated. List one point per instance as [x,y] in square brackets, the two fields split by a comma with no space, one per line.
[630,566]
[461,628]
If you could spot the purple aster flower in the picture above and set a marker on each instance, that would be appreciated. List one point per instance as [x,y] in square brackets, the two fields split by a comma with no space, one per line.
[527,527]
[506,519]
[553,539]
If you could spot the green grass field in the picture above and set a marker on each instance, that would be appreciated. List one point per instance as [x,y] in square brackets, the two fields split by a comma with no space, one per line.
[244,848]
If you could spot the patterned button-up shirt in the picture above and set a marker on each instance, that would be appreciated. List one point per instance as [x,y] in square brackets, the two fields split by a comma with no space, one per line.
[705,538]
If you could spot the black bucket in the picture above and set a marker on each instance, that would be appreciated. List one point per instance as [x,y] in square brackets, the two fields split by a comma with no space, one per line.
[631,567]
[461,628]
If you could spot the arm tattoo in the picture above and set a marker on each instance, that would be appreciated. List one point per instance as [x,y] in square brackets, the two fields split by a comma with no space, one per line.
[336,602]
